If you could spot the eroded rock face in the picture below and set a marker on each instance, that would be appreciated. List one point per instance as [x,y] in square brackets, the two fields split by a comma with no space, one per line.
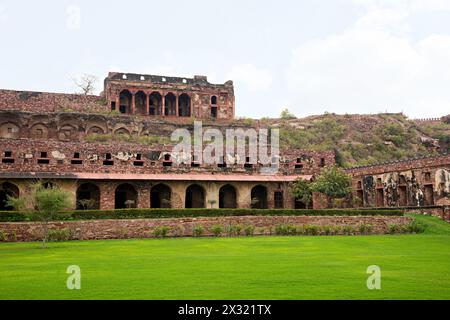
[442,182]
[390,187]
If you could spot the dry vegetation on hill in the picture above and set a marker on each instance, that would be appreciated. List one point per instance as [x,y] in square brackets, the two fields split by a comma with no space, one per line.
[364,139]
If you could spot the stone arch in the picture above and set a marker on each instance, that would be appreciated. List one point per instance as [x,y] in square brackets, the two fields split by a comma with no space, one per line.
[122,131]
[125,196]
[39,131]
[184,105]
[7,189]
[155,103]
[161,196]
[88,197]
[68,132]
[9,130]
[125,99]
[227,197]
[95,129]
[259,197]
[195,196]
[141,102]
[170,101]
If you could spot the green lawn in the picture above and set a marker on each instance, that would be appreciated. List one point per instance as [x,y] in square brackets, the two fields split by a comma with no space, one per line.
[413,267]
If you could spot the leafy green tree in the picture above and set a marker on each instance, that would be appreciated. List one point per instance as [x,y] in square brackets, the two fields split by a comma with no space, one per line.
[286,115]
[43,203]
[301,190]
[334,183]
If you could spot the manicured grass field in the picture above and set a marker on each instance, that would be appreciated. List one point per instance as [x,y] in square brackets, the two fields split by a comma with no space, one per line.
[413,267]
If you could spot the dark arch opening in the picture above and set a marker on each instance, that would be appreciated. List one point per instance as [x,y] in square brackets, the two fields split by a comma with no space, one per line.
[88,197]
[125,197]
[125,102]
[7,189]
[141,103]
[184,105]
[155,104]
[227,197]
[195,197]
[160,196]
[213,100]
[259,197]
[170,105]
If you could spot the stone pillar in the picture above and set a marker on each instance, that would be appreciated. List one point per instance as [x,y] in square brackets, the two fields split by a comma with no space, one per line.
[133,103]
[118,103]
[163,104]
[147,104]
[211,194]
[107,195]
[176,106]
[244,199]
[143,201]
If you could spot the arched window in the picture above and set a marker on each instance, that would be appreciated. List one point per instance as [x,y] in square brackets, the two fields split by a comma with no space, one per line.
[259,197]
[184,105]
[227,197]
[125,196]
[9,130]
[7,189]
[160,196]
[141,103]
[125,101]
[213,100]
[170,105]
[88,197]
[155,104]
[195,197]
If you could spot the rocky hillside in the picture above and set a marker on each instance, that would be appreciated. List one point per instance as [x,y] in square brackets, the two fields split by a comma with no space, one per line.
[365,139]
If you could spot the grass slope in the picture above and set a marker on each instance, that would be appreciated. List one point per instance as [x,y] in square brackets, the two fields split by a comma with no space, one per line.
[413,267]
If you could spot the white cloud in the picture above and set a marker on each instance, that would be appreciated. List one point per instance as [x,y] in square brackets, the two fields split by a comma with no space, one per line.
[253,78]
[373,66]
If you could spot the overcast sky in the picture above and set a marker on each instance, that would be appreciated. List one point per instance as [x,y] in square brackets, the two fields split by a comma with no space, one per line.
[311,56]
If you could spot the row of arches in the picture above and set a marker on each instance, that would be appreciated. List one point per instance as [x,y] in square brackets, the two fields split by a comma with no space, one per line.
[126,196]
[154,104]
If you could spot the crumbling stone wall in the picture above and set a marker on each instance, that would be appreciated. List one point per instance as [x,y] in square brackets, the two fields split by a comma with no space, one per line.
[143,228]
[413,182]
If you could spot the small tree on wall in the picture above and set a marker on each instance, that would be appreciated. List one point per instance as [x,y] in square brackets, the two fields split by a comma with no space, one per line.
[301,190]
[44,203]
[334,183]
[86,83]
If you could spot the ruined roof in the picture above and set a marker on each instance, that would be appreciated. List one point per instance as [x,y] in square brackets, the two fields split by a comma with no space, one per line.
[147,78]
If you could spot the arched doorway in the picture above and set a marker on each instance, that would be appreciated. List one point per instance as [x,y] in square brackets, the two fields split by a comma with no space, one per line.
[88,197]
[195,197]
[184,105]
[7,189]
[160,196]
[170,104]
[259,197]
[155,103]
[125,196]
[227,197]
[141,103]
[125,102]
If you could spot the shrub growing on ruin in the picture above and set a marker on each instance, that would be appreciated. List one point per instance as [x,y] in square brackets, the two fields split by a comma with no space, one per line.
[217,230]
[198,231]
[43,203]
